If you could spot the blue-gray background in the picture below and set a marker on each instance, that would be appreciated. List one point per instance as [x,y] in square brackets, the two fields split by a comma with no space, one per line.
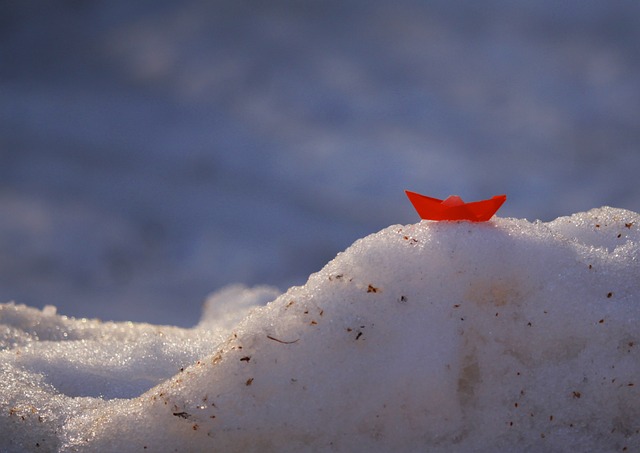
[154,151]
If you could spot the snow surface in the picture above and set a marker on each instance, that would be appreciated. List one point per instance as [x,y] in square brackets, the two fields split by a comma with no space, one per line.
[437,336]
[154,151]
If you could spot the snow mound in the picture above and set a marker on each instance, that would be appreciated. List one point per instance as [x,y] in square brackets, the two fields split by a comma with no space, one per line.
[438,336]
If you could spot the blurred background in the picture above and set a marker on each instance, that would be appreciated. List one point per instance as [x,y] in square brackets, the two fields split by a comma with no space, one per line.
[154,151]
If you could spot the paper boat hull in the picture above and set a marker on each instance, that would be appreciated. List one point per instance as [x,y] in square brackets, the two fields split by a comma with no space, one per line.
[477,211]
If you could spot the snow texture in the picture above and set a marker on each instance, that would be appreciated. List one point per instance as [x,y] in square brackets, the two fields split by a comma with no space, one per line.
[437,336]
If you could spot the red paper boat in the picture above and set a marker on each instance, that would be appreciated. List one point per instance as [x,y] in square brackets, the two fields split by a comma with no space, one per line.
[453,208]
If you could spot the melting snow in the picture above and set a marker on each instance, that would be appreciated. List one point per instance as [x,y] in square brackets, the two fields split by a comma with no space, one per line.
[491,337]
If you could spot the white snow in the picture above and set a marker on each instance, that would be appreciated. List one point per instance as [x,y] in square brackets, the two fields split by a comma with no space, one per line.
[494,337]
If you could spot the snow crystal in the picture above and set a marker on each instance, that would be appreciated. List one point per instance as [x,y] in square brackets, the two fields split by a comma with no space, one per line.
[438,336]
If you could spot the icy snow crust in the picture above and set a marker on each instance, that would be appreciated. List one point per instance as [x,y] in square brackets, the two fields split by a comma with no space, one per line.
[500,336]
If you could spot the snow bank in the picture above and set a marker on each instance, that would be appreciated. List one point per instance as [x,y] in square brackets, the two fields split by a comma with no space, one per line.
[500,336]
